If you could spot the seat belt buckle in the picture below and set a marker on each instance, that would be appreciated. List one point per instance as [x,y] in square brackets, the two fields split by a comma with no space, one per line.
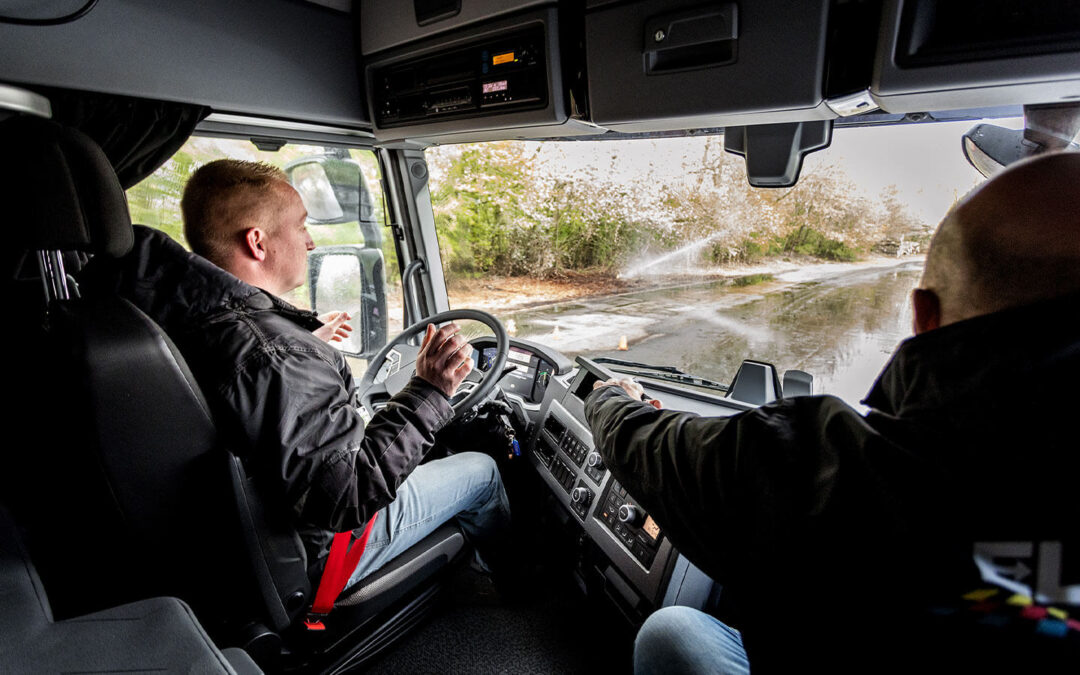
[313,621]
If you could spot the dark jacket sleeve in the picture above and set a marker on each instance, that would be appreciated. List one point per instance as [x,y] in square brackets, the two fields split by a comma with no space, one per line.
[311,442]
[730,490]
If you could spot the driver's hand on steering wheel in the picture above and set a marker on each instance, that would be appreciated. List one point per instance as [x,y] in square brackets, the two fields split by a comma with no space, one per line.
[444,359]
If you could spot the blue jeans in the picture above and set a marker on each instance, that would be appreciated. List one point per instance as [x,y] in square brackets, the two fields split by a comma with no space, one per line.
[466,485]
[684,640]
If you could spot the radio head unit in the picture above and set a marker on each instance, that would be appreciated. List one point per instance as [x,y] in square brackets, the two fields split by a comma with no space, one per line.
[508,72]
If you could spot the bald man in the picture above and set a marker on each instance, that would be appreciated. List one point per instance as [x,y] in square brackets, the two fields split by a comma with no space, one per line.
[934,533]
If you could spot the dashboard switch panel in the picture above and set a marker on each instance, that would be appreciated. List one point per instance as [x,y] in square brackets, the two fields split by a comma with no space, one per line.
[580,499]
[563,474]
[637,531]
[567,441]
[594,467]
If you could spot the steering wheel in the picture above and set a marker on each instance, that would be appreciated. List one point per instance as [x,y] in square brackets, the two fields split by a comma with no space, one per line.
[395,364]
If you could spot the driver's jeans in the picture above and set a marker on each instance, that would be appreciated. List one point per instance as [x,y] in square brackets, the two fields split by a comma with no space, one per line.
[466,485]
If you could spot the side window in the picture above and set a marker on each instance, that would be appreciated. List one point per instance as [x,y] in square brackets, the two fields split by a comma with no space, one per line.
[354,266]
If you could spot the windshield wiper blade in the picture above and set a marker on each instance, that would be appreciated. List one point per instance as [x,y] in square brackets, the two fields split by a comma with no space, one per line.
[635,364]
[667,374]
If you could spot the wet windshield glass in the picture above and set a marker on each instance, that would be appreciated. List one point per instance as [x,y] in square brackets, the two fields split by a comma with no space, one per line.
[657,250]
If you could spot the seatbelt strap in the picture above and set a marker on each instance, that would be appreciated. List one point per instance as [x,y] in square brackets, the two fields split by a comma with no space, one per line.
[340,565]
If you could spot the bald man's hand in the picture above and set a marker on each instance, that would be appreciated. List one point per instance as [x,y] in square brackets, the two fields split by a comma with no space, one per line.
[445,358]
[633,389]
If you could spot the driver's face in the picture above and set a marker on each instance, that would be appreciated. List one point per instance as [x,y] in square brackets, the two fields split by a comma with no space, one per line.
[287,241]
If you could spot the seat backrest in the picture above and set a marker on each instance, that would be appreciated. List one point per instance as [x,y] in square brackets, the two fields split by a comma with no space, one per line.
[118,476]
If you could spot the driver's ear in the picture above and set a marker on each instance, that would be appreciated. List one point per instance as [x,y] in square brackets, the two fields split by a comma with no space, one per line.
[926,308]
[255,243]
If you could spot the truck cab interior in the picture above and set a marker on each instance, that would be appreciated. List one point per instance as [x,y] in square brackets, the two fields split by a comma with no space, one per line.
[131,538]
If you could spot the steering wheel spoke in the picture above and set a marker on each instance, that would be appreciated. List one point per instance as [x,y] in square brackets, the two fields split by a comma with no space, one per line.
[395,364]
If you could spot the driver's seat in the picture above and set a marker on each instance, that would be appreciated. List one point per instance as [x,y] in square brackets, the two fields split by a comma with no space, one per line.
[136,420]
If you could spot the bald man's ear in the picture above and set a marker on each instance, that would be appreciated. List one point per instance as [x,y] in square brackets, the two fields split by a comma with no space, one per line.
[255,243]
[927,310]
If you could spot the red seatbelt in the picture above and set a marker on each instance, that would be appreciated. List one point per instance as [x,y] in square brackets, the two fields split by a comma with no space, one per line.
[340,565]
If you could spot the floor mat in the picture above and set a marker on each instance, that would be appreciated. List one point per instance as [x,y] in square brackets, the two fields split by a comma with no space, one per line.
[552,629]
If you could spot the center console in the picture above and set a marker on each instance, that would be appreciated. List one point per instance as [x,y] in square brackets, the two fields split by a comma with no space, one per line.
[637,556]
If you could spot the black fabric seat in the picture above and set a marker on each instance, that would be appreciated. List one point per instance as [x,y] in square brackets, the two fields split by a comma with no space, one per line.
[157,634]
[119,481]
[118,476]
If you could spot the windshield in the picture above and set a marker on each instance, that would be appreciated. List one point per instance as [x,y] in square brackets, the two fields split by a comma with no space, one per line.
[657,251]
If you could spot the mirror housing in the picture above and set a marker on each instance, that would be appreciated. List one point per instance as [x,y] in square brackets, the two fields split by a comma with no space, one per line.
[334,191]
[351,278]
[774,152]
[991,148]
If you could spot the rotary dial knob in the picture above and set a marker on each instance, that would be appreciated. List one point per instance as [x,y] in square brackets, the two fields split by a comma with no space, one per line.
[631,515]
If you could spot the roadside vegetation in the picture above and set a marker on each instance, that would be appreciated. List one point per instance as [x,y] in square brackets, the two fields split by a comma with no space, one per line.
[500,211]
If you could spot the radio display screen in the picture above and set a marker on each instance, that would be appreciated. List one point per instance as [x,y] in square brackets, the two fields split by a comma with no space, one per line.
[651,528]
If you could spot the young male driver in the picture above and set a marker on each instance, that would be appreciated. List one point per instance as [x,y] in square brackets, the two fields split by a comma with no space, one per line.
[285,399]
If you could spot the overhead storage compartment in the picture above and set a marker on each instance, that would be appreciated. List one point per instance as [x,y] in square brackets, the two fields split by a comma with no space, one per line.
[937,55]
[691,64]
[385,24]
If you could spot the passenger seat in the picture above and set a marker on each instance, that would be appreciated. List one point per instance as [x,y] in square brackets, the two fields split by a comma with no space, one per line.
[157,634]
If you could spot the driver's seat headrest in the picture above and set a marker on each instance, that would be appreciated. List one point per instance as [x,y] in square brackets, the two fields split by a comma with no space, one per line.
[60,191]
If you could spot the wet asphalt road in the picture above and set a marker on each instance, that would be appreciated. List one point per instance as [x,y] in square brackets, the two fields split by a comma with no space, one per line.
[841,328]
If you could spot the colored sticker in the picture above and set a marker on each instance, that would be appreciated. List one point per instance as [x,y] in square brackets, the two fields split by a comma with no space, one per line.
[1052,627]
[1019,601]
[981,594]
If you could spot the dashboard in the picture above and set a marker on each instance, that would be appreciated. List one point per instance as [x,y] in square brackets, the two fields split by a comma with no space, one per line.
[532,372]
[549,391]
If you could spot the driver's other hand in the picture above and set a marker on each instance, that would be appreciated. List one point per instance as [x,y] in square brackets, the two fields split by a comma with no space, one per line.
[334,328]
[632,388]
[444,359]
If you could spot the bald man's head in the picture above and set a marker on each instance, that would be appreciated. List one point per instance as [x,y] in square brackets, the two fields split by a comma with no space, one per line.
[1013,241]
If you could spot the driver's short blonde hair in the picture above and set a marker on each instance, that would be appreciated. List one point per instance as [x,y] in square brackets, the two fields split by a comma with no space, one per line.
[223,200]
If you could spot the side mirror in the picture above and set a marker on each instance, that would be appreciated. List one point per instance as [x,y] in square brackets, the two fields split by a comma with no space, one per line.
[352,279]
[334,191]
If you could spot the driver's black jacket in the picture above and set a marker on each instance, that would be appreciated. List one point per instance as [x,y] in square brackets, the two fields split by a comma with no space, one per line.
[839,535]
[283,398]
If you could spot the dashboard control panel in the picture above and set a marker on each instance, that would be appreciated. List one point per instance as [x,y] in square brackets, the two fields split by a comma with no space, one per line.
[635,549]
[566,440]
[580,499]
[624,518]
[563,474]
[594,467]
